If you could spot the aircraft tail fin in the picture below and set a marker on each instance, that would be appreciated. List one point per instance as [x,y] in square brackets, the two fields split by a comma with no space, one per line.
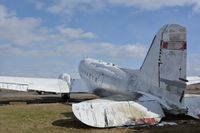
[165,63]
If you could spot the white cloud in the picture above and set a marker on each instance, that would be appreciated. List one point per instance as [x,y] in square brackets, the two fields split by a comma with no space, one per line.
[73,33]
[28,37]
[79,50]
[151,4]
[124,51]
[29,30]
[15,29]
[69,7]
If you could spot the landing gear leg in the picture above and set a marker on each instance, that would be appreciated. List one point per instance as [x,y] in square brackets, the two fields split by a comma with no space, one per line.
[65,96]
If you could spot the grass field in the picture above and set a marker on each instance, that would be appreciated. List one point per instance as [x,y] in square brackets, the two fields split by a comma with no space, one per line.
[43,118]
[58,118]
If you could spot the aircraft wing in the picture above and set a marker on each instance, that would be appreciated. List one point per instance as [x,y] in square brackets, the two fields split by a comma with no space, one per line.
[36,84]
[112,112]
[193,80]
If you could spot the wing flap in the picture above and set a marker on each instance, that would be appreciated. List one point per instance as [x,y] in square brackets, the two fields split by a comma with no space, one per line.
[107,113]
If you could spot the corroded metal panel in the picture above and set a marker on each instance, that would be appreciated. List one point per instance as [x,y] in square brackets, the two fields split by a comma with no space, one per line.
[108,113]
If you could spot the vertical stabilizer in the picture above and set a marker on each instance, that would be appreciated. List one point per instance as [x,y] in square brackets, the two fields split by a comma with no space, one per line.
[165,63]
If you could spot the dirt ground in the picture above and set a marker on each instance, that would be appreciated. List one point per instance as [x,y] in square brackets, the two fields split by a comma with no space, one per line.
[29,112]
[193,89]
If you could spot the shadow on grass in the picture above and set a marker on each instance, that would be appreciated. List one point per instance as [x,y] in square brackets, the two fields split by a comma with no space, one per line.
[185,126]
[70,121]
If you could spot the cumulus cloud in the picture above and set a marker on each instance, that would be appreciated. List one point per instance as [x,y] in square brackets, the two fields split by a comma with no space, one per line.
[15,29]
[28,37]
[79,50]
[26,31]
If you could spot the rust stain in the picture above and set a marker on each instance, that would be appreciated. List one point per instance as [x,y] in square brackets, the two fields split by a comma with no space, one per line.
[198,116]
[150,121]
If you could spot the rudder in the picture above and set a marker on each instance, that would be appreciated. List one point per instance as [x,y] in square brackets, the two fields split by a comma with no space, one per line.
[165,63]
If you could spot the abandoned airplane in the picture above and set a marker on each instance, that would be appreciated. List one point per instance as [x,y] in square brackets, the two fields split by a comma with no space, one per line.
[130,97]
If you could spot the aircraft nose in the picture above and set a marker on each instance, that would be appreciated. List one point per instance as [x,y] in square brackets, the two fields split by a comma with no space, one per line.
[82,62]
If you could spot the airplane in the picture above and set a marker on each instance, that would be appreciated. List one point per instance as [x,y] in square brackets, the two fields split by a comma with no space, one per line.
[136,97]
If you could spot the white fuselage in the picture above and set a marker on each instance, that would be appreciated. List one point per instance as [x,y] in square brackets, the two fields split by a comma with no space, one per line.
[107,79]
[103,78]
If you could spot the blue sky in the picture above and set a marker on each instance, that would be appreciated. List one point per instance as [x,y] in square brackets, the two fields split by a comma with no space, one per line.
[46,38]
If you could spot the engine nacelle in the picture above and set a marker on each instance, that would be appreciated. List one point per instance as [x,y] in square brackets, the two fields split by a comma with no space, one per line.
[66,77]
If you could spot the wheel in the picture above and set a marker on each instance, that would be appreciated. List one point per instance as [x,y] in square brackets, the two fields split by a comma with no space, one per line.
[65,96]
[40,92]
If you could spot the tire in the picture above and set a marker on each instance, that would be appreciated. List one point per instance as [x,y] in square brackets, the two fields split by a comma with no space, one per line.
[65,96]
[40,92]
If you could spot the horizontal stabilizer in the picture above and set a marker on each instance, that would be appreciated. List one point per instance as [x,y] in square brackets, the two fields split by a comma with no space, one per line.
[107,113]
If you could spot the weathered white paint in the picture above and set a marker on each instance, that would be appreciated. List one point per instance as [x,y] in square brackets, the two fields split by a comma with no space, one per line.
[36,84]
[159,83]
[161,75]
[162,78]
[108,113]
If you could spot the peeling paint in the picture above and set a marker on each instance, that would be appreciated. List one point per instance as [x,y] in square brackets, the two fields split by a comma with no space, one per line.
[108,113]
